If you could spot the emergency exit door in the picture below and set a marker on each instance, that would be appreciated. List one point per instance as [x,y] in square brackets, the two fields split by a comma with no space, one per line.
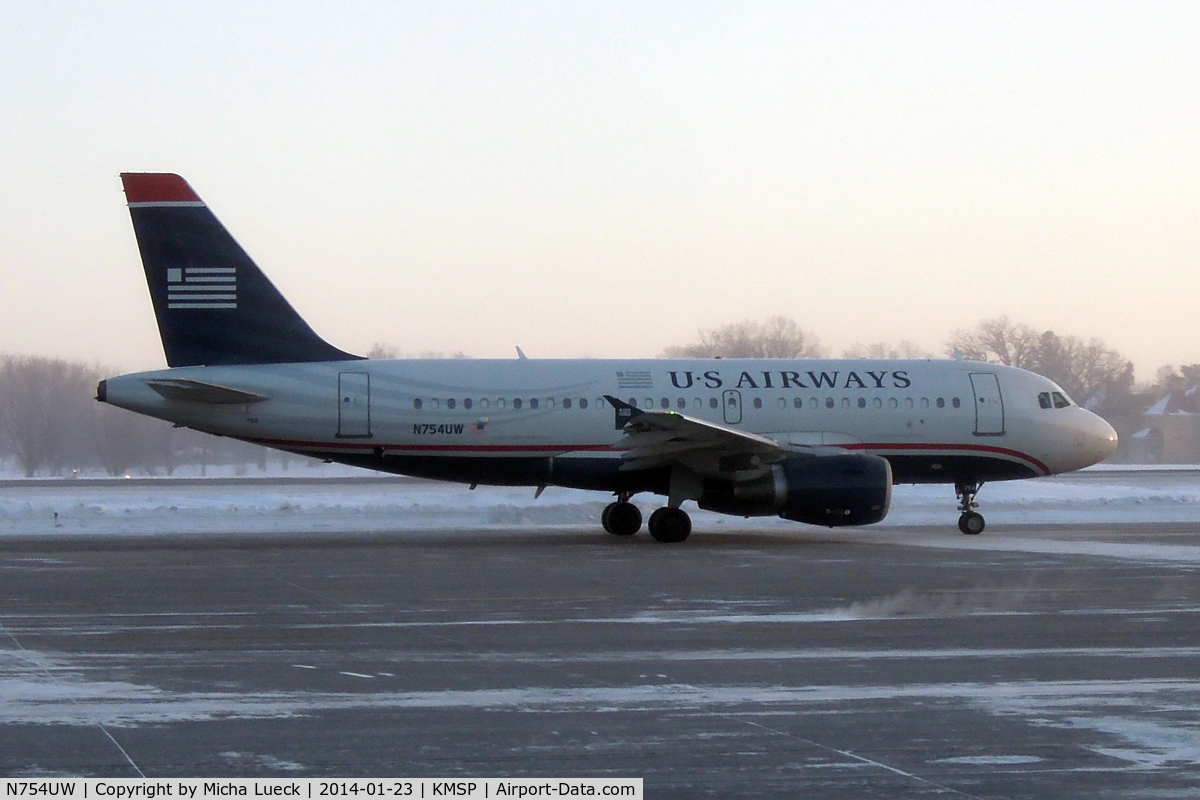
[354,405]
[732,402]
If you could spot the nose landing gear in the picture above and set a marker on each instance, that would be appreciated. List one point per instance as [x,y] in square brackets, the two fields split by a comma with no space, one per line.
[971,522]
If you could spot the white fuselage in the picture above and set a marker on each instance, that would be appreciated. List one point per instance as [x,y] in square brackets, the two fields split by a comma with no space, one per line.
[537,422]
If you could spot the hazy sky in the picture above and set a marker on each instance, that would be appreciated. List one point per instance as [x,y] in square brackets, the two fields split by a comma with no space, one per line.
[603,179]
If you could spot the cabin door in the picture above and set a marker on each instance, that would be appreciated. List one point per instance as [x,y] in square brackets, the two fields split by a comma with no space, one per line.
[989,404]
[354,405]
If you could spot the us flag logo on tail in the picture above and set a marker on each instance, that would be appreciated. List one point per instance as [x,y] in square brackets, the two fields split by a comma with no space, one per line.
[201,287]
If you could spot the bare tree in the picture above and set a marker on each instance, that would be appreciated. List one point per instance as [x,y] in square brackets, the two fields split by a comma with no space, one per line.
[1086,370]
[383,350]
[998,339]
[905,349]
[778,337]
[45,411]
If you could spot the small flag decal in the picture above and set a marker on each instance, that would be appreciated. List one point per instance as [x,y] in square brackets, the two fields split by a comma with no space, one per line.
[201,287]
[635,379]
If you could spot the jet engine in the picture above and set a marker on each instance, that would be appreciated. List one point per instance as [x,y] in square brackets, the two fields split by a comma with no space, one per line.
[834,490]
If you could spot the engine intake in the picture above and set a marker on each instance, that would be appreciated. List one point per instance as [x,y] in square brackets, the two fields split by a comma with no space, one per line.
[848,489]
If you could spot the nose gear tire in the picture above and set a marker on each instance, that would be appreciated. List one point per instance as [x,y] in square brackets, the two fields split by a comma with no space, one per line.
[971,523]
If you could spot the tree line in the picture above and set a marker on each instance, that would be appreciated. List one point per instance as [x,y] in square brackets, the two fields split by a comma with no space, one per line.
[50,424]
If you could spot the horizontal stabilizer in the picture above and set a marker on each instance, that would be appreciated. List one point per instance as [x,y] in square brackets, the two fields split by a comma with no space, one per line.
[198,392]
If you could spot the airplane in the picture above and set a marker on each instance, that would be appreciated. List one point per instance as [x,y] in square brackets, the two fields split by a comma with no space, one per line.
[817,441]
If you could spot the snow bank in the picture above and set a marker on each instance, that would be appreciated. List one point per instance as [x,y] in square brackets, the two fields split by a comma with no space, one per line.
[171,506]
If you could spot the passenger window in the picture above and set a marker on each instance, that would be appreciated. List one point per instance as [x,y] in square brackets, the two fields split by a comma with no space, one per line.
[712,402]
[664,403]
[1044,400]
[517,403]
[450,403]
[583,403]
[467,403]
[533,403]
[956,402]
[845,402]
[892,402]
[878,402]
[566,402]
[941,402]
[862,402]
[924,402]
[417,403]
[908,403]
[782,403]
[484,403]
[633,402]
[680,403]
[812,402]
[697,403]
[1060,400]
[549,402]
[649,402]
[500,402]
[798,402]
[829,402]
[758,402]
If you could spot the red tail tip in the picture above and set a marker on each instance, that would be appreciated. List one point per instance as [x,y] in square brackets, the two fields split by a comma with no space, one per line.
[157,187]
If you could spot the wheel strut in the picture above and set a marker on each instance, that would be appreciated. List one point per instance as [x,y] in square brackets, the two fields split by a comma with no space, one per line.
[970,521]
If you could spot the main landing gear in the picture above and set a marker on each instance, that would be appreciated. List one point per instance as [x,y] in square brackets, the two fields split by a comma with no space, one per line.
[971,522]
[623,518]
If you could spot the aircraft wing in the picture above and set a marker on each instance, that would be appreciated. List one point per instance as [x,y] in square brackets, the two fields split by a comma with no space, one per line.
[664,438]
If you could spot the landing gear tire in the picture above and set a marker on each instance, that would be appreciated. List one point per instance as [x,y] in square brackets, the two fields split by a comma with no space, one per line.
[621,519]
[971,523]
[670,525]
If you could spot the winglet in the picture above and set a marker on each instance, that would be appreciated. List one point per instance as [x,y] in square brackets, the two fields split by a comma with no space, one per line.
[626,413]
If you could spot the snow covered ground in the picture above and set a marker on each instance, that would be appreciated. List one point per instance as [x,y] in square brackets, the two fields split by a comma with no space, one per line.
[172,506]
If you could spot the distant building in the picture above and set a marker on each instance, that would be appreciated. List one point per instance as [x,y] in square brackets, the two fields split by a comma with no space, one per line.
[1172,432]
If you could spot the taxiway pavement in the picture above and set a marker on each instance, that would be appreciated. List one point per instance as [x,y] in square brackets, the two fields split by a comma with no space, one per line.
[1030,662]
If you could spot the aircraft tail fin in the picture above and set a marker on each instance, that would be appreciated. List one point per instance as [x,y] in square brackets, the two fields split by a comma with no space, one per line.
[214,305]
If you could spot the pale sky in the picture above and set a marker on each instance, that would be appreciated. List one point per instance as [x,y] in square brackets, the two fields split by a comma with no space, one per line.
[604,179]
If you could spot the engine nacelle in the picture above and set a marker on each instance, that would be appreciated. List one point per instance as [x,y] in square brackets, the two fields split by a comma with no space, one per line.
[849,489]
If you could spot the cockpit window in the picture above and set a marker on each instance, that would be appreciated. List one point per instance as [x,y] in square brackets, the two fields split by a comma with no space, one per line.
[1054,400]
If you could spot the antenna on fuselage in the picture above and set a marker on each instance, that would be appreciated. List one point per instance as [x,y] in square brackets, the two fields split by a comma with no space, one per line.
[521,353]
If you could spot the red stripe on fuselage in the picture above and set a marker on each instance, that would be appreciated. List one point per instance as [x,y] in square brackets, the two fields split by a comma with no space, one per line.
[894,447]
[973,448]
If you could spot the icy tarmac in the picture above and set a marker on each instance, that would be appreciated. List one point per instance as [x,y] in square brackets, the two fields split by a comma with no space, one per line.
[348,628]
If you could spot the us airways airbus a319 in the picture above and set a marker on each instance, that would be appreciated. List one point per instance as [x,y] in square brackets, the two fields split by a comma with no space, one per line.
[814,441]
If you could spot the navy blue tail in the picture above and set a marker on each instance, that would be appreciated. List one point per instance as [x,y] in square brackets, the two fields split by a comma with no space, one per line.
[214,305]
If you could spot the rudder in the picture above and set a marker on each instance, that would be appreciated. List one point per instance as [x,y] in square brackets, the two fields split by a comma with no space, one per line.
[213,304]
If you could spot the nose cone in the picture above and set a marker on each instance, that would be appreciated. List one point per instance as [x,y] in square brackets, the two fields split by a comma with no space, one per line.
[1096,439]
